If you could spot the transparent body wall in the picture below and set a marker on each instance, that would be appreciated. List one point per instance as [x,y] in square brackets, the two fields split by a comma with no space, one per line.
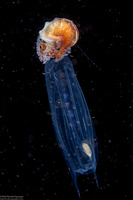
[70,115]
[71,118]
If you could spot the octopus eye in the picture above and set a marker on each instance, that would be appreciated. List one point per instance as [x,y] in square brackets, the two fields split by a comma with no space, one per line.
[42,46]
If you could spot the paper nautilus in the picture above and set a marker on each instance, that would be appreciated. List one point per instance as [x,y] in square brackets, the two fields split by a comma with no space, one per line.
[56,39]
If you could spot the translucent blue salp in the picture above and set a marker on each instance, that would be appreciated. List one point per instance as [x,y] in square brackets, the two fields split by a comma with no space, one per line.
[71,118]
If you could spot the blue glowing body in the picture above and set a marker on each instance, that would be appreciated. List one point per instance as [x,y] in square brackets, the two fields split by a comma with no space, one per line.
[71,118]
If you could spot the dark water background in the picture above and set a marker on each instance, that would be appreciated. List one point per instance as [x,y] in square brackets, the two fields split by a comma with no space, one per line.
[31,164]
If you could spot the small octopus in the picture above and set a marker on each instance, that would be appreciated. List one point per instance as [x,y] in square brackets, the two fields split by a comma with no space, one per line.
[56,39]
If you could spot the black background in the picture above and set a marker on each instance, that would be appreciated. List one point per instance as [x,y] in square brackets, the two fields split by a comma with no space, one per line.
[31,164]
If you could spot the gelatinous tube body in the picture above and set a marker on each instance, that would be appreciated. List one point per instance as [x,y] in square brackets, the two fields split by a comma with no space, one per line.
[71,119]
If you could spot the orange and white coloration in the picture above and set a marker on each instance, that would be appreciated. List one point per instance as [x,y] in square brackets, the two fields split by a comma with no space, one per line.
[56,39]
